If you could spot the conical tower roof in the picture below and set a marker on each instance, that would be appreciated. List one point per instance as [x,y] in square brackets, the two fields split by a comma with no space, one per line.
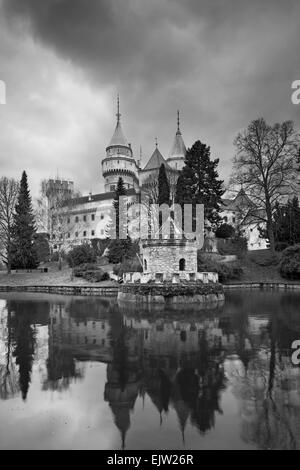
[178,149]
[156,160]
[118,138]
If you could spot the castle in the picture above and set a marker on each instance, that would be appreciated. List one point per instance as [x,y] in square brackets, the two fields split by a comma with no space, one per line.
[86,218]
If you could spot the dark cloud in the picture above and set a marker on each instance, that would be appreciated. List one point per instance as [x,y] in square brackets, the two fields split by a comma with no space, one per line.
[223,62]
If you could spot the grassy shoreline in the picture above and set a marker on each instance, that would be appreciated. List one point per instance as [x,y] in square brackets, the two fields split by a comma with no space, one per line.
[52,278]
[256,269]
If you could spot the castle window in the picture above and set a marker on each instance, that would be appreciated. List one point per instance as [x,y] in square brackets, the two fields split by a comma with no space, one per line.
[76,219]
[68,235]
[93,233]
[84,233]
[93,217]
[76,234]
[233,220]
[182,264]
[145,264]
[68,220]
[102,216]
[225,218]
[84,218]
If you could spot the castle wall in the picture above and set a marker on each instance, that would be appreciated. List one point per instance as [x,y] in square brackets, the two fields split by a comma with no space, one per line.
[162,256]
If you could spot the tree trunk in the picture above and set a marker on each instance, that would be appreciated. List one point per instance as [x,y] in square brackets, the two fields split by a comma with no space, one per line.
[271,240]
[270,226]
[8,264]
[59,261]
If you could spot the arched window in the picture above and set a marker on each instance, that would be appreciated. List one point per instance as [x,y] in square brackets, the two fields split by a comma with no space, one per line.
[182,264]
[145,264]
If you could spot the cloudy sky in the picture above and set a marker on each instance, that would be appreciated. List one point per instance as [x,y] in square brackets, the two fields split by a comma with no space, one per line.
[221,62]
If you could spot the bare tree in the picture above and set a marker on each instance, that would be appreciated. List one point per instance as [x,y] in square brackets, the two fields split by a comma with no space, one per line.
[265,166]
[8,196]
[53,215]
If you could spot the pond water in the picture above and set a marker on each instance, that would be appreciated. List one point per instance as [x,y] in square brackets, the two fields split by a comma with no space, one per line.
[85,373]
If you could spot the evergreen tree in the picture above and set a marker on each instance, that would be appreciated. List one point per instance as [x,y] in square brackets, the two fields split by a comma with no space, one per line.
[163,186]
[286,220]
[199,183]
[120,191]
[119,248]
[23,340]
[183,194]
[24,254]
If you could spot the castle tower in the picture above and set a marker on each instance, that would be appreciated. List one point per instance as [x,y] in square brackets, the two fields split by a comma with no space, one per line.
[57,191]
[177,154]
[119,161]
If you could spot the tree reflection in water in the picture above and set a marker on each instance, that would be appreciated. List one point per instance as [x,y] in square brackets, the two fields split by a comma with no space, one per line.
[182,361]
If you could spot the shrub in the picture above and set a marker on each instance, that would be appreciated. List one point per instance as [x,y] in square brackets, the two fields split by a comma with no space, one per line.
[290,262]
[129,265]
[226,271]
[225,231]
[90,272]
[54,257]
[81,254]
[83,268]
[119,250]
[280,246]
[233,246]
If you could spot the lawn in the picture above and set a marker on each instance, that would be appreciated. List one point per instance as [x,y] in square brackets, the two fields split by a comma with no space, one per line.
[260,266]
[54,277]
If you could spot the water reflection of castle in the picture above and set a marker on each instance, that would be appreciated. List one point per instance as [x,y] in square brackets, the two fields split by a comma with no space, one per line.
[180,364]
[177,363]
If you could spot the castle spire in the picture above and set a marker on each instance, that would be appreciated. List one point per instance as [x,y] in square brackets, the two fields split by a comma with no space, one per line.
[178,150]
[178,123]
[118,109]
[118,138]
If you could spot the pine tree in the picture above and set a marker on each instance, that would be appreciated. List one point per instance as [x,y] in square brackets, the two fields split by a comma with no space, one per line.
[199,183]
[120,191]
[163,186]
[24,254]
[119,248]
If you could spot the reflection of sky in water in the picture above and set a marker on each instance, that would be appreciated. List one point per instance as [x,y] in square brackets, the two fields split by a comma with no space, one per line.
[92,372]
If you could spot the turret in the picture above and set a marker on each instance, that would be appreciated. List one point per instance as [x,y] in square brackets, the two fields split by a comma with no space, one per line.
[119,160]
[177,154]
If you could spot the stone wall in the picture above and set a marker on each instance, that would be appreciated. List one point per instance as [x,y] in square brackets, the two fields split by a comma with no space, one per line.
[174,278]
[163,256]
